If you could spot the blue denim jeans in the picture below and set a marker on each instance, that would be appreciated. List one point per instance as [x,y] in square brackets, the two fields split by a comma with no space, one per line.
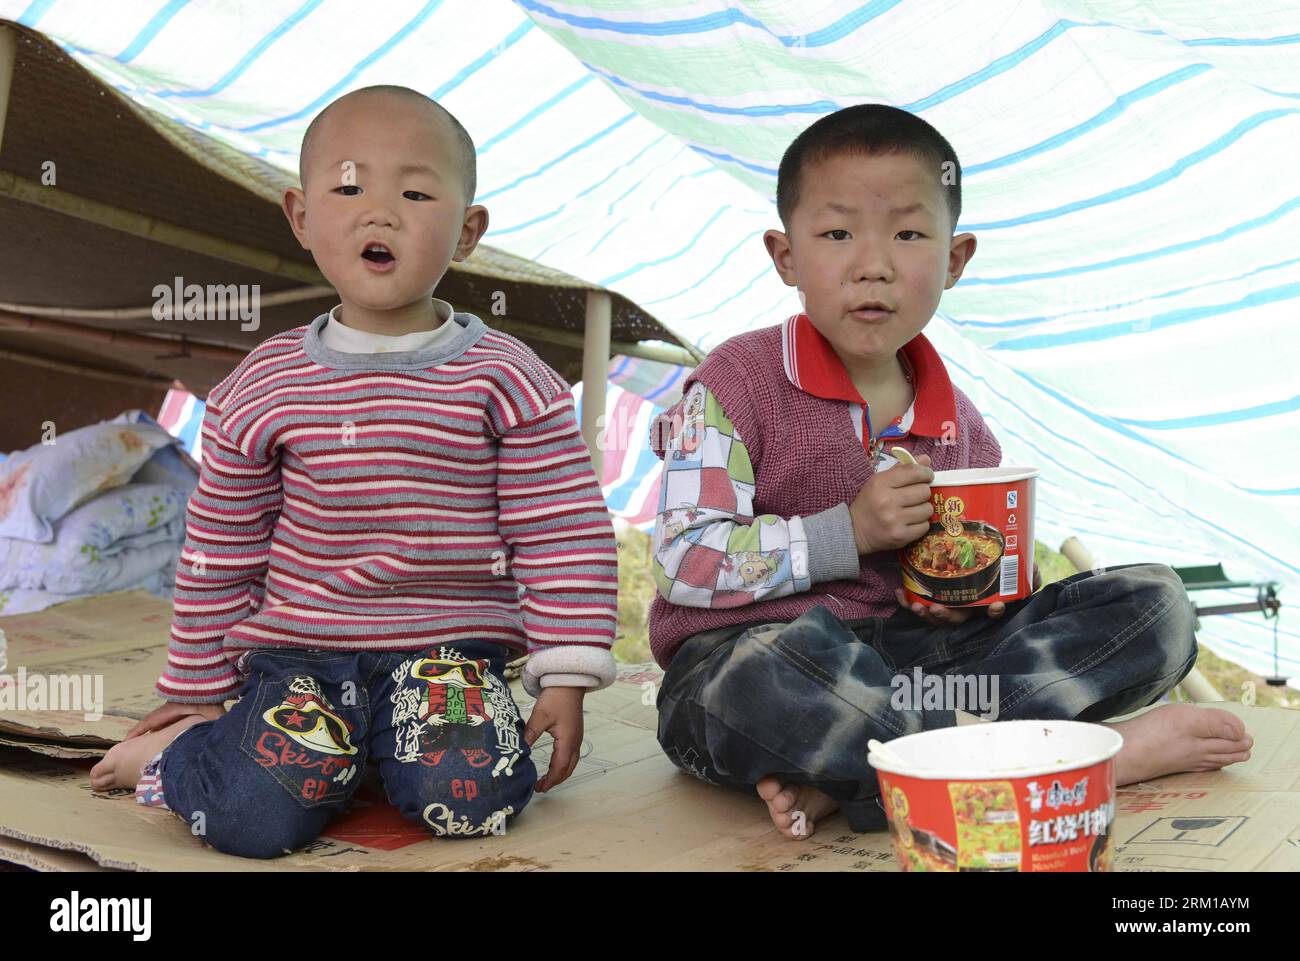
[266,777]
[799,700]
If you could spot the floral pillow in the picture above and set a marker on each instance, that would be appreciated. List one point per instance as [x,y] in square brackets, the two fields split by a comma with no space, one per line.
[44,482]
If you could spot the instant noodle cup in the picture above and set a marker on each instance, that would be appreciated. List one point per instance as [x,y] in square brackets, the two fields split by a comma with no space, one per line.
[1002,796]
[980,545]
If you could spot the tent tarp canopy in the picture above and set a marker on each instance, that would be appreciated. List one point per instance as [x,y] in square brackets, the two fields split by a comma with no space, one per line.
[103,200]
[1127,324]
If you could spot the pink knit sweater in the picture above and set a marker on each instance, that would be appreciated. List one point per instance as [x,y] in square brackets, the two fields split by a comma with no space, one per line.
[393,502]
[806,460]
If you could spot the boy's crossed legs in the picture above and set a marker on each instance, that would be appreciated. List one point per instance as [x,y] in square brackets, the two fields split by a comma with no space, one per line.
[267,777]
[786,709]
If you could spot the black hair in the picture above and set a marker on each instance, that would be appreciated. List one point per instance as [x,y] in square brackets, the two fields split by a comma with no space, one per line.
[464,143]
[870,129]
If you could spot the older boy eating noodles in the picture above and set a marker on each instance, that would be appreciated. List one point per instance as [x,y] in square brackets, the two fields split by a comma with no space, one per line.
[780,618]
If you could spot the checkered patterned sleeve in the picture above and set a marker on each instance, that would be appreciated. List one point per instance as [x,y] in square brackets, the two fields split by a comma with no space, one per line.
[709,549]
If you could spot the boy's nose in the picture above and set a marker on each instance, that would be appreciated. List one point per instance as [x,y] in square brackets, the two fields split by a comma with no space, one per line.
[875,273]
[873,265]
[379,216]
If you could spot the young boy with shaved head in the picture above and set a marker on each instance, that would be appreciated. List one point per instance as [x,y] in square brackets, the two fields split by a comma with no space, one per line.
[394,500]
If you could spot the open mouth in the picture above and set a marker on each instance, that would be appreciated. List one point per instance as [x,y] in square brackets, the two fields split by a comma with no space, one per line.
[378,254]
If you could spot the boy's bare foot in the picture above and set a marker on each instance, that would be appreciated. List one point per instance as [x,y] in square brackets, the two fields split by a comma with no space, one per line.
[124,762]
[795,808]
[1179,737]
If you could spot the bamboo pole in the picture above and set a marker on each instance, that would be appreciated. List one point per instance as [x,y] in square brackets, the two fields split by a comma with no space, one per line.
[8,54]
[151,228]
[22,316]
[1078,555]
[12,319]
[664,354]
[184,238]
[82,370]
[595,374]
[123,338]
[273,299]
[1198,688]
[1194,685]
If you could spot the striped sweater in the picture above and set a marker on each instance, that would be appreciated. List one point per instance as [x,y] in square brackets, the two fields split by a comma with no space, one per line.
[393,501]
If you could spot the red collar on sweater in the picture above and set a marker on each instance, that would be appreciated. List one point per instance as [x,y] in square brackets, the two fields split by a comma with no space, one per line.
[813,366]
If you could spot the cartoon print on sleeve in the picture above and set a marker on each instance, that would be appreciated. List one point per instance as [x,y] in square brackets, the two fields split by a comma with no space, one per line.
[749,570]
[693,427]
[676,521]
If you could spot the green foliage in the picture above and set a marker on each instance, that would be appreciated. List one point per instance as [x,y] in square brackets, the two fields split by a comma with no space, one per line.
[636,589]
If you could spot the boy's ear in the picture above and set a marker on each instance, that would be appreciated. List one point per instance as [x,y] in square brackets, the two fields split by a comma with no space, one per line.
[959,255]
[294,206]
[778,248]
[471,231]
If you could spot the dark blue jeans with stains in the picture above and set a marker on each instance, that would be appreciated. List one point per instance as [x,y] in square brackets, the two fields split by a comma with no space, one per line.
[799,700]
[266,777]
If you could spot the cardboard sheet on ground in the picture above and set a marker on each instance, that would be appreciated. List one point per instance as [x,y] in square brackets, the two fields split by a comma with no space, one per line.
[39,857]
[625,808]
[114,637]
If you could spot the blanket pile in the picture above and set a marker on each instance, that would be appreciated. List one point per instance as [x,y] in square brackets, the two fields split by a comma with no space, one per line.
[95,510]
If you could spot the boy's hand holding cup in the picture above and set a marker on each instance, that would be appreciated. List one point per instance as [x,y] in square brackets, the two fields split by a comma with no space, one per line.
[892,510]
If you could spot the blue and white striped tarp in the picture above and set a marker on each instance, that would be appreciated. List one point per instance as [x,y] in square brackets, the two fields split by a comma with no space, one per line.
[1128,323]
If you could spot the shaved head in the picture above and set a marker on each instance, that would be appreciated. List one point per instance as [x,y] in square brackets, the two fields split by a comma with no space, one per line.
[457,140]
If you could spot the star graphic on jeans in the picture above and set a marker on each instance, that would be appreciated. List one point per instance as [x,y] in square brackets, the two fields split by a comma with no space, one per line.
[295,719]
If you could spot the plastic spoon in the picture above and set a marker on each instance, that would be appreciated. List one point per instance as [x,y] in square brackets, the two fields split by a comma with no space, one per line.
[903,455]
[885,754]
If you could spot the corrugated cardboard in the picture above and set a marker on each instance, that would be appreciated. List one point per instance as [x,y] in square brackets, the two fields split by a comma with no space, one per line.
[626,807]
[116,635]
[41,858]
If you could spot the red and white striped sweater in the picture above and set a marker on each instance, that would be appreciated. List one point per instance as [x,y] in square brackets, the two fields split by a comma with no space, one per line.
[393,501]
